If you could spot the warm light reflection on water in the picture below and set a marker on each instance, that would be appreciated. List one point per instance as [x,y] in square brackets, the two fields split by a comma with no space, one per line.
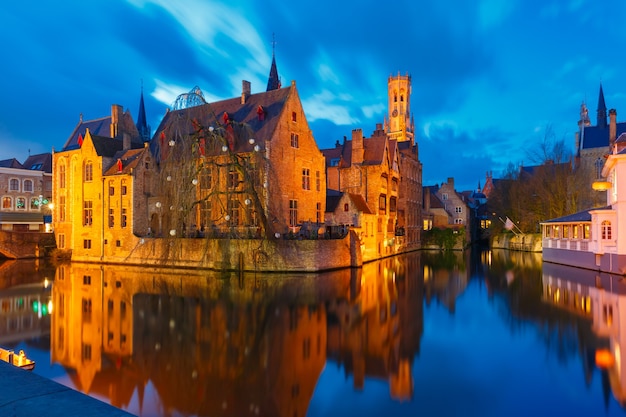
[479,334]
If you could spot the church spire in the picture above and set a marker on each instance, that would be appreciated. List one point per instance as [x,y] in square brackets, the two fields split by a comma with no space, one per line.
[601,109]
[142,125]
[273,83]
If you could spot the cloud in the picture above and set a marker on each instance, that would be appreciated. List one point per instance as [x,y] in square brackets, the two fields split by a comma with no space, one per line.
[328,106]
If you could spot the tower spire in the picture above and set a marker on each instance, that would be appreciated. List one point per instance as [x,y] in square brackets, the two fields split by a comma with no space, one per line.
[273,82]
[601,109]
[142,125]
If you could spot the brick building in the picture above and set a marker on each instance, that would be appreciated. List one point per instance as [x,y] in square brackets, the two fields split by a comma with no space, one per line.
[253,163]
[99,189]
[385,170]
[25,194]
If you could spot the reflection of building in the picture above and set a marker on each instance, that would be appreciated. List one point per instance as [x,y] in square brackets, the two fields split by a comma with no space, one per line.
[444,283]
[24,312]
[126,330]
[601,299]
[377,333]
[232,344]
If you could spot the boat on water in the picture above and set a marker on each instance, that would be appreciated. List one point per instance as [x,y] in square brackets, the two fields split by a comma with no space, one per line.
[17,359]
[590,239]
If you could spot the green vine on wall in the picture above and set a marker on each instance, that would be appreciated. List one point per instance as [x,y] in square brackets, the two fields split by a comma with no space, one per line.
[444,238]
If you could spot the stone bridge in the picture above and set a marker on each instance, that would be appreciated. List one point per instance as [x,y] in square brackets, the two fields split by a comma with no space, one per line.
[23,245]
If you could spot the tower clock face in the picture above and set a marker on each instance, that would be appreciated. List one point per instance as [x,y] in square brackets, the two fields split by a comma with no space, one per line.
[394,113]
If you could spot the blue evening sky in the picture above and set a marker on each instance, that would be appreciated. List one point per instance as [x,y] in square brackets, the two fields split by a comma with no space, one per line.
[488,75]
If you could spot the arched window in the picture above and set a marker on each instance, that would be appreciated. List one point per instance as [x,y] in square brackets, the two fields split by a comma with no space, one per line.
[28,186]
[14,184]
[7,203]
[606,230]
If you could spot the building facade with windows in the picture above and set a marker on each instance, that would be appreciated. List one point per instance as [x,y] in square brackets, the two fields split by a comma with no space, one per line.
[26,194]
[591,238]
[99,193]
[385,171]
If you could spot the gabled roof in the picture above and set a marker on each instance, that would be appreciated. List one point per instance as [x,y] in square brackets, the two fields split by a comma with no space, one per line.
[257,118]
[373,151]
[40,162]
[11,163]
[333,198]
[581,216]
[102,127]
[360,203]
[592,137]
[129,160]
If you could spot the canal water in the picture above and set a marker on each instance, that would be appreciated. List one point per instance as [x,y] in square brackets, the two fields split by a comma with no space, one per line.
[484,333]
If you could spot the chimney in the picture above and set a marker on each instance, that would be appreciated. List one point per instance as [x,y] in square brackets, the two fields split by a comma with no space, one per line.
[357,146]
[612,128]
[125,141]
[245,91]
[116,115]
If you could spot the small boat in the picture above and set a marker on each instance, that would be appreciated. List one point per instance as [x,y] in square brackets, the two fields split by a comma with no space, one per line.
[17,359]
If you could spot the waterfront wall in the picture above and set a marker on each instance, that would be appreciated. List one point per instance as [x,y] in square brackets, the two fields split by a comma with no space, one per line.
[25,245]
[521,242]
[264,255]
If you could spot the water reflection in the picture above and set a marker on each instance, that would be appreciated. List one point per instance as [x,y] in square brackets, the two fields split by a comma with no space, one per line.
[398,336]
[233,345]
[25,303]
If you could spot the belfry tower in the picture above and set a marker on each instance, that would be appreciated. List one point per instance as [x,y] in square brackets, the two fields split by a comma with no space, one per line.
[399,123]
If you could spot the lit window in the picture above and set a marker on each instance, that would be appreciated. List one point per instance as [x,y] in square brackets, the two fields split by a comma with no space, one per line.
[7,203]
[606,230]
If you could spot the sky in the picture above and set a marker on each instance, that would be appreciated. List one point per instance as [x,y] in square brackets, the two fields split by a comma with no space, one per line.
[491,79]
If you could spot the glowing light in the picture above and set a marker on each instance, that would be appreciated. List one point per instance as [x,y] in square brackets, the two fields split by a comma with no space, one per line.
[601,185]
[158,204]
[173,232]
[276,235]
[227,217]
[257,148]
[604,359]
[172,143]
[169,178]
[251,141]
[224,148]
[211,128]
[247,201]
[194,181]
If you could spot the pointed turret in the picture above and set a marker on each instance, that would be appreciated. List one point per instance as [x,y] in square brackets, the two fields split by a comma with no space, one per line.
[142,125]
[601,109]
[273,83]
